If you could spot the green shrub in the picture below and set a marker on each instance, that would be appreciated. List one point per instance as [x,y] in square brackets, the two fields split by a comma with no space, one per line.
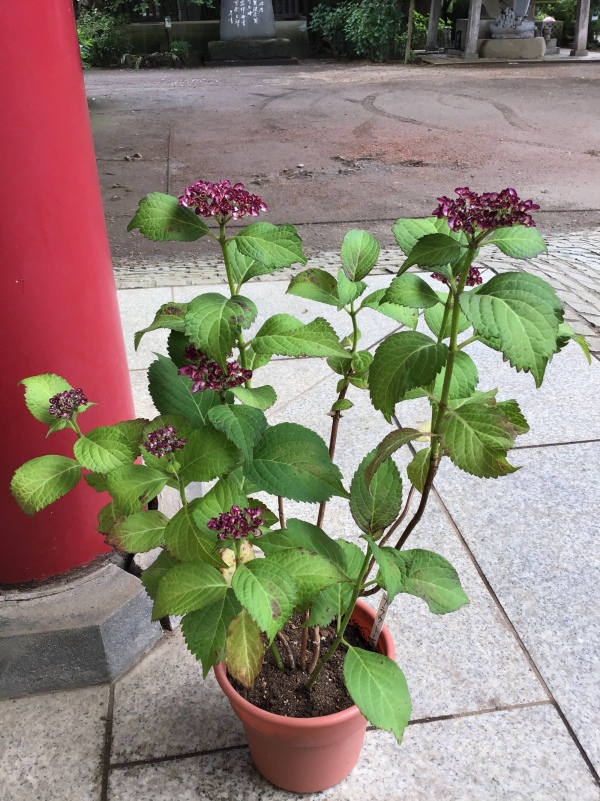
[329,27]
[103,38]
[369,29]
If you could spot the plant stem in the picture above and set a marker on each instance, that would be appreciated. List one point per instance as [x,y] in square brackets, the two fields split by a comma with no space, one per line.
[277,656]
[232,290]
[304,643]
[317,649]
[181,486]
[288,649]
[75,427]
[346,619]
[474,338]
[280,509]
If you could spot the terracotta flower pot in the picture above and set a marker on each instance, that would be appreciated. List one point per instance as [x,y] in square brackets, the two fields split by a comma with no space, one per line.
[306,755]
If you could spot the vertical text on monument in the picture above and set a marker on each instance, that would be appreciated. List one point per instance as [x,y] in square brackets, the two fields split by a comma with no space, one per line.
[247,19]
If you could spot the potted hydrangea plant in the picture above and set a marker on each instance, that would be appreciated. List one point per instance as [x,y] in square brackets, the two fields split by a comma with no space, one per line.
[268,601]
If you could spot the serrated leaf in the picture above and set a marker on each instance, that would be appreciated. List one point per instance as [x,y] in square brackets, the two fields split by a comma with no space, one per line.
[132,430]
[186,588]
[360,251]
[170,315]
[108,516]
[361,361]
[255,361]
[376,506]
[96,481]
[272,246]
[171,394]
[152,576]
[566,334]
[418,468]
[207,455]
[512,410]
[401,314]
[378,688]
[161,219]
[57,424]
[242,425]
[477,437]
[257,397]
[431,577]
[392,570]
[309,571]
[434,251]
[302,534]
[334,601]
[244,650]
[284,335]
[187,537]
[139,532]
[407,232]
[133,485]
[519,241]
[38,391]
[523,312]
[410,290]
[43,480]
[177,343]
[463,381]
[342,405]
[315,284]
[403,362]
[434,317]
[293,461]
[267,592]
[243,268]
[213,323]
[205,630]
[104,449]
[348,290]
[389,445]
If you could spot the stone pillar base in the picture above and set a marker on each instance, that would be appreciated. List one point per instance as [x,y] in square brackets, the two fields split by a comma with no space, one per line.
[251,51]
[75,635]
[579,53]
[513,49]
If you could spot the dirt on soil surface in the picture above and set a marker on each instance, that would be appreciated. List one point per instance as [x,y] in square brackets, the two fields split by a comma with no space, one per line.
[332,146]
[284,692]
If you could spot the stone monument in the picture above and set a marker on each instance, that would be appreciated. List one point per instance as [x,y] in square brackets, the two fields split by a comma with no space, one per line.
[248,35]
[512,35]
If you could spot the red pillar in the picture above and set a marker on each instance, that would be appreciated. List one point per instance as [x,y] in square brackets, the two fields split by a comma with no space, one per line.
[58,305]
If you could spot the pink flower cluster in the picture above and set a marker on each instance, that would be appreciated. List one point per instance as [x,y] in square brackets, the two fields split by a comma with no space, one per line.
[237,524]
[472,212]
[473,278]
[65,404]
[221,200]
[208,374]
[164,441]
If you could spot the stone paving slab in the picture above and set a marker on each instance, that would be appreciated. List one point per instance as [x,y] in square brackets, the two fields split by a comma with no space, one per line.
[517,755]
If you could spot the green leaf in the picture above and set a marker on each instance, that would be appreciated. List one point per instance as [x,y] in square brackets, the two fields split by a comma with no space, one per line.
[208,454]
[375,507]
[205,630]
[152,576]
[133,431]
[434,316]
[104,449]
[213,322]
[43,480]
[361,361]
[464,378]
[140,532]
[334,601]
[38,391]
[512,410]
[254,360]
[434,251]
[408,232]
[310,572]
[315,284]
[418,468]
[160,218]
[184,430]
[403,362]
[133,485]
[96,481]
[267,592]
[389,445]
[272,246]
[58,424]
[170,315]
[523,312]
[242,425]
[284,335]
[378,688]
[519,242]
[392,571]
[244,650]
[477,437]
[431,577]
[187,587]
[266,514]
[293,461]
[348,290]
[360,251]
[257,397]
[342,405]
[171,393]
[108,516]
[566,334]
[177,344]
[187,537]
[243,268]
[410,290]
[401,314]
[306,535]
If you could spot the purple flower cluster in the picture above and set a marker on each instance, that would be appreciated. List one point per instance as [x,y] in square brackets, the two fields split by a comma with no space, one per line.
[473,278]
[164,441]
[221,200]
[65,404]
[236,523]
[485,212]
[208,374]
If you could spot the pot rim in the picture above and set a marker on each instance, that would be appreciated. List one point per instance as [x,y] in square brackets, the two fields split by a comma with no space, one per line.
[322,721]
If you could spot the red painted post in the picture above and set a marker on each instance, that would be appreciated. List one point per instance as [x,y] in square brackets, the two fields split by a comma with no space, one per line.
[58,304]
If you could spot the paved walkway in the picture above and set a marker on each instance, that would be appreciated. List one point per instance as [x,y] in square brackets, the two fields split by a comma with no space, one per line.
[506,692]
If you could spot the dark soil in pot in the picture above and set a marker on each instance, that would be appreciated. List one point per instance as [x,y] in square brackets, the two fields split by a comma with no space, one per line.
[283,692]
